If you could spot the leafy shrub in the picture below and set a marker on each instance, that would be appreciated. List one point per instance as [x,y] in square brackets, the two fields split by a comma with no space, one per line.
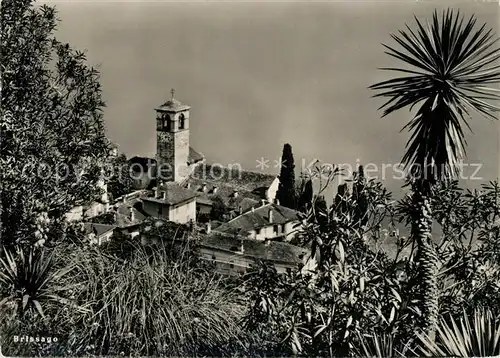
[362,285]
[356,287]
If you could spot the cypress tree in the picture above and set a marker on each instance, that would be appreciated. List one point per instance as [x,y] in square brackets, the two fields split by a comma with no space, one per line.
[286,190]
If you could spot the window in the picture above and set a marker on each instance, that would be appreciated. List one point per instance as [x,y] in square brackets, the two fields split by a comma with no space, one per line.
[159,122]
[276,229]
[181,121]
[167,123]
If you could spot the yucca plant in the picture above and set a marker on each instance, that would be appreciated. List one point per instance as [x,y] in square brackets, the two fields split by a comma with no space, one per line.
[379,345]
[476,336]
[29,281]
[452,63]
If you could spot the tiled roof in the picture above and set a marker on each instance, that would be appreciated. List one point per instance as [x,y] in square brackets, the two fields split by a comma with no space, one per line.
[238,179]
[224,191]
[175,194]
[244,202]
[258,218]
[250,186]
[173,105]
[123,218]
[275,251]
[194,156]
[98,229]
[203,199]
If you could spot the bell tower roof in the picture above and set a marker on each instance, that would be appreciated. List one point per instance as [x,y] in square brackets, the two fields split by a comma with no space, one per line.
[172,105]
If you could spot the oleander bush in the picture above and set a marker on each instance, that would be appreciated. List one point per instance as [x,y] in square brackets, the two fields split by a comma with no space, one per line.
[362,298]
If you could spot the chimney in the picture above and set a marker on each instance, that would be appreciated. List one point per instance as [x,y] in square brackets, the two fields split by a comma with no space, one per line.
[164,194]
[215,190]
[270,216]
[253,209]
[188,186]
[235,194]
[240,209]
[131,214]
[209,227]
[277,201]
[157,191]
[262,202]
[204,187]
[242,247]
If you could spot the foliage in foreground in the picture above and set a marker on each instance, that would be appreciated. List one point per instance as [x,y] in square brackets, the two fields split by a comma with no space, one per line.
[146,305]
[362,297]
[53,135]
[477,335]
[449,68]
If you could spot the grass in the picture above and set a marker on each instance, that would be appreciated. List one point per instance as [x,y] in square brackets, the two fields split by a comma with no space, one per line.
[144,304]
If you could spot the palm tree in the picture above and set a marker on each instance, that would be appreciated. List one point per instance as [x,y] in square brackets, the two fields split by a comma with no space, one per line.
[451,65]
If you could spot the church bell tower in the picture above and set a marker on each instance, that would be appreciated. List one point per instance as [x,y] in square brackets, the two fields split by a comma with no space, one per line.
[172,140]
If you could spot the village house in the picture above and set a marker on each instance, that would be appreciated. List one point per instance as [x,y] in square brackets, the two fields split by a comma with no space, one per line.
[171,202]
[231,255]
[267,221]
[99,233]
[235,255]
[128,218]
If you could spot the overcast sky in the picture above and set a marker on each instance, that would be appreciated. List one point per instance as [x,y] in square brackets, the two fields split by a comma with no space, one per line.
[259,75]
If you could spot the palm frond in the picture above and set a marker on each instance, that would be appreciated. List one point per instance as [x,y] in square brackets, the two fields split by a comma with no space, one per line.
[454,63]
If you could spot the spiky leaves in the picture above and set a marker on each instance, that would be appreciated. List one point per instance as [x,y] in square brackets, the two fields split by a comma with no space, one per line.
[477,335]
[29,281]
[453,63]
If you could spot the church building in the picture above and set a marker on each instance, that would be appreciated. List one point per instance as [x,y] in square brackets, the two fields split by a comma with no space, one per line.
[182,185]
[175,158]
